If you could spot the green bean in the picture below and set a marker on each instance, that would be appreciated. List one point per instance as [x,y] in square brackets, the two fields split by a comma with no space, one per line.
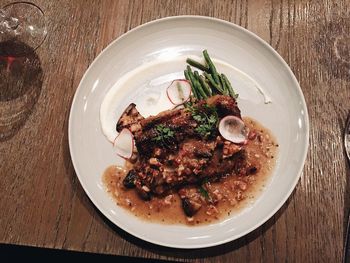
[205,86]
[186,75]
[192,86]
[229,87]
[192,80]
[199,86]
[197,64]
[211,67]
[196,84]
[213,83]
[224,86]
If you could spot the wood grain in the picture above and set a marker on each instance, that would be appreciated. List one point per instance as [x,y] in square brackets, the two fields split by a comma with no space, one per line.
[42,203]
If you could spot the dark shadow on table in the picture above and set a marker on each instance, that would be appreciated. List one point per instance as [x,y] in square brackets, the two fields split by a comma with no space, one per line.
[21,79]
[15,253]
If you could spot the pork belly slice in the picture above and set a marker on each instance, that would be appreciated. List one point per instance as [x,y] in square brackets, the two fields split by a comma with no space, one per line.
[183,163]
[181,122]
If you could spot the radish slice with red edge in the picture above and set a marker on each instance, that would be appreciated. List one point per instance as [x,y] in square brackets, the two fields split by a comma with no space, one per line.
[124,144]
[179,91]
[233,129]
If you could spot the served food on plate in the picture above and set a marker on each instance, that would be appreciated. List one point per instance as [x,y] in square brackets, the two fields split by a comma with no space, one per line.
[194,163]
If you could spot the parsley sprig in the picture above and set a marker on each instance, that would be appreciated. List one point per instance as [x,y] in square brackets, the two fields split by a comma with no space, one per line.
[204,192]
[164,134]
[206,118]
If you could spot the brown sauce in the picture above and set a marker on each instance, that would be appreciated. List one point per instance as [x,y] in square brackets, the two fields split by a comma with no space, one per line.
[233,192]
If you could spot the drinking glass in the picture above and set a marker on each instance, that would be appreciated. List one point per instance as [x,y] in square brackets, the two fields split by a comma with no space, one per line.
[22,30]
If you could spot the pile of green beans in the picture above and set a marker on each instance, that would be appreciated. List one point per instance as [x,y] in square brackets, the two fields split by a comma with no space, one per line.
[210,82]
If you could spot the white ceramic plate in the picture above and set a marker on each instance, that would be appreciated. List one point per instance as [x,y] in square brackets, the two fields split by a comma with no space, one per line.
[166,41]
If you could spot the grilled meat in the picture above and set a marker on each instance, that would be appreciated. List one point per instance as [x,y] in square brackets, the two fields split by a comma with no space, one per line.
[130,119]
[181,122]
[174,156]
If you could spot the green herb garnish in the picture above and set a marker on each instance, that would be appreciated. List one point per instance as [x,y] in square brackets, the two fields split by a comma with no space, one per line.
[203,192]
[206,118]
[164,134]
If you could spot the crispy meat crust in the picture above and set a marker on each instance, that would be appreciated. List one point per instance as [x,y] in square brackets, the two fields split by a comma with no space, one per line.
[186,160]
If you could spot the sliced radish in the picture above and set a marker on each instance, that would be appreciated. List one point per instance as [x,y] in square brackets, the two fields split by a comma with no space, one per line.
[124,144]
[179,91]
[233,129]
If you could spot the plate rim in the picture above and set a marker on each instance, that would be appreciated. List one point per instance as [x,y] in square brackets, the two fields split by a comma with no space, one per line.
[303,105]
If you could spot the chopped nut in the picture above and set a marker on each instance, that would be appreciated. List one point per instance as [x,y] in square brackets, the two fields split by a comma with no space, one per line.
[239,196]
[230,149]
[252,135]
[212,210]
[168,199]
[242,185]
[233,202]
[157,152]
[217,194]
[128,201]
[190,219]
[196,171]
[180,169]
[202,161]
[145,188]
[169,179]
[154,161]
[182,193]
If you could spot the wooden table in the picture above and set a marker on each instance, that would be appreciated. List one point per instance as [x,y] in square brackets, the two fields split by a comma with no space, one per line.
[42,202]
